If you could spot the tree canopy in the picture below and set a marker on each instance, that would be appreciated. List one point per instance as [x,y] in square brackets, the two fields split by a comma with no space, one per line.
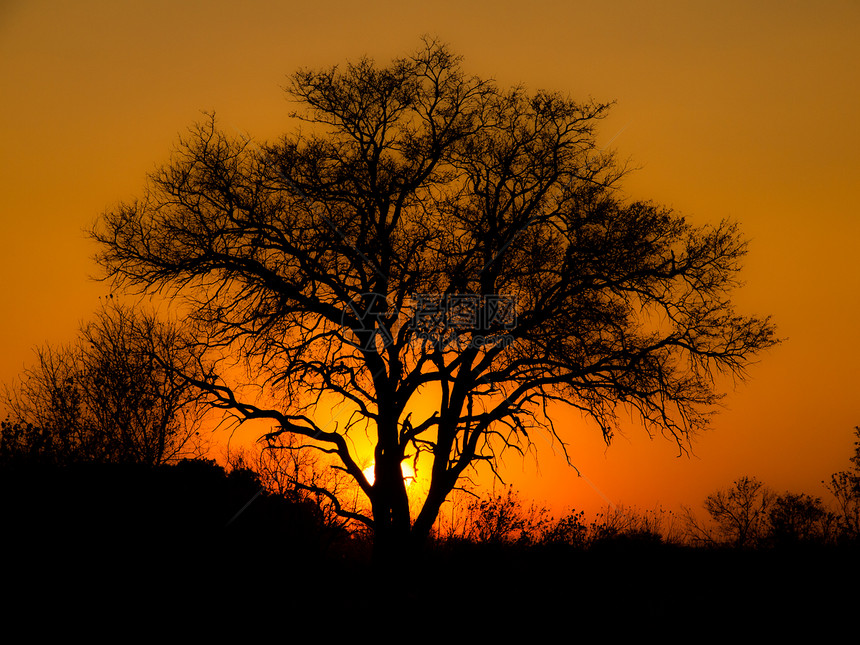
[117,394]
[424,232]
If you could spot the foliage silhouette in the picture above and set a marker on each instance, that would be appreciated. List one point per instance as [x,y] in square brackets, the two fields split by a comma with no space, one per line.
[739,515]
[845,487]
[114,395]
[285,469]
[798,519]
[502,518]
[432,235]
[623,527]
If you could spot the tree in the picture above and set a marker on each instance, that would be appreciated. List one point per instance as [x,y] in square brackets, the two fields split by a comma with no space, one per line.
[430,234]
[114,395]
[845,487]
[798,518]
[739,513]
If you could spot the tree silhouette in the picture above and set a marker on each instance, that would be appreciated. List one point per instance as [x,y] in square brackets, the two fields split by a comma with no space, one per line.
[798,518]
[740,515]
[429,234]
[114,395]
[845,487]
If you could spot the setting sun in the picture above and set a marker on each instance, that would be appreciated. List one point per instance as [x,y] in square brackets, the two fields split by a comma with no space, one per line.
[408,473]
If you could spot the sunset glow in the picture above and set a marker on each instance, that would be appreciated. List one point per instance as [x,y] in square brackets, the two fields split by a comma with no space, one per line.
[408,473]
[733,110]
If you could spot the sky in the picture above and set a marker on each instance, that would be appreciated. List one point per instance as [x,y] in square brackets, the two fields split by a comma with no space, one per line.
[739,110]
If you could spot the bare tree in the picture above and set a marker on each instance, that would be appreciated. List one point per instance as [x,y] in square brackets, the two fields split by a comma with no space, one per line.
[845,487]
[114,395]
[739,515]
[430,234]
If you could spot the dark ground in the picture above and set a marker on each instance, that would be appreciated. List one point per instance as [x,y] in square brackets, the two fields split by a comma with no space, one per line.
[134,546]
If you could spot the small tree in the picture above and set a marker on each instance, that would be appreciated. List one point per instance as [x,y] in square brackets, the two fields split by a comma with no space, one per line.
[431,236]
[114,395]
[798,518]
[738,514]
[845,487]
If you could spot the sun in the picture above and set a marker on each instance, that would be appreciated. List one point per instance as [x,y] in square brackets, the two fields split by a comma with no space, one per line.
[406,469]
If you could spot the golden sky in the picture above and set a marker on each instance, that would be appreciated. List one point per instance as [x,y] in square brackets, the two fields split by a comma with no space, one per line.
[746,110]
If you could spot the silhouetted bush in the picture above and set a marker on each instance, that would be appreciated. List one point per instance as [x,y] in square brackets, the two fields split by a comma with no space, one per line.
[799,520]
[95,516]
[845,487]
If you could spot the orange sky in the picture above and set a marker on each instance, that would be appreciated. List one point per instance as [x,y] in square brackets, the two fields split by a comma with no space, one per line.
[730,110]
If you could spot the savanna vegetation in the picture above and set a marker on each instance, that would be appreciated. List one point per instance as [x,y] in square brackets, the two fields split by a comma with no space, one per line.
[430,231]
[259,523]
